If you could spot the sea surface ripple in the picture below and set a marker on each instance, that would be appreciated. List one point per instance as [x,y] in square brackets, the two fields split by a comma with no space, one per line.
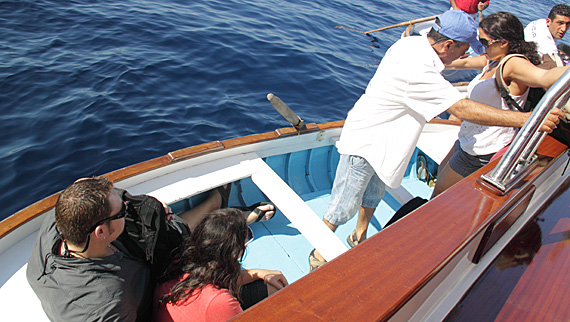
[88,87]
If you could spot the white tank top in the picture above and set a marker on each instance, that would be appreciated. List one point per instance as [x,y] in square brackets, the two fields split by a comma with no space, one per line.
[478,139]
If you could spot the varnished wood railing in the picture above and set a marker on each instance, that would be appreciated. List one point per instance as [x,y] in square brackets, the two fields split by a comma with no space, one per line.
[528,280]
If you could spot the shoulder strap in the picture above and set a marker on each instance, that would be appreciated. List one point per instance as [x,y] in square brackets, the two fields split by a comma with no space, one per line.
[502,86]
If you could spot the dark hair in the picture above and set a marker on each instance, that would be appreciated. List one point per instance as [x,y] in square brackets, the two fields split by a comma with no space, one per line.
[506,26]
[559,10]
[437,37]
[80,206]
[211,255]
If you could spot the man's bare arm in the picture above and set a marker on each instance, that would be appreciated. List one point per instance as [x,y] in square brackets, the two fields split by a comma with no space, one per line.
[479,113]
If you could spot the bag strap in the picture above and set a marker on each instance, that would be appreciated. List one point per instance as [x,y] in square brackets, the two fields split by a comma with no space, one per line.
[502,86]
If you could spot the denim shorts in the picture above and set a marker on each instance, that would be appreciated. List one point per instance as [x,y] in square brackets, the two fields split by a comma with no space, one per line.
[355,184]
[464,163]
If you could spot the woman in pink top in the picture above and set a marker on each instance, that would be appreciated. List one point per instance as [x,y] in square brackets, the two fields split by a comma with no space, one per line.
[205,282]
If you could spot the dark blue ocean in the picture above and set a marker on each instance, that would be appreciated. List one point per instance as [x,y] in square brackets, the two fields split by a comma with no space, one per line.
[88,87]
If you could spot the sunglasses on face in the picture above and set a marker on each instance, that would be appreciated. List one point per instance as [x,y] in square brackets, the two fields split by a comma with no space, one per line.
[121,214]
[486,43]
[249,237]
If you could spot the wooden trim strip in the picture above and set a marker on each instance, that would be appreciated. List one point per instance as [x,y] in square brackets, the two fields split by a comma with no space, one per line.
[25,215]
[194,151]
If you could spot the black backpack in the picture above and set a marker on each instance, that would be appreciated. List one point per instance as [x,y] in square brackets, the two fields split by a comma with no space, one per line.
[148,235]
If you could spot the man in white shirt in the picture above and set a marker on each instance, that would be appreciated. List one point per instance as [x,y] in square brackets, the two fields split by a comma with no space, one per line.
[383,127]
[546,32]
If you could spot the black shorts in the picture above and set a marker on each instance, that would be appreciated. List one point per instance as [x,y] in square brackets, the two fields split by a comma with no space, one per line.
[464,163]
[252,293]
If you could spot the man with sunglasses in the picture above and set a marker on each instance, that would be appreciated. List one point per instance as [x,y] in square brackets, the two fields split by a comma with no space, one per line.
[78,269]
[383,128]
[546,32]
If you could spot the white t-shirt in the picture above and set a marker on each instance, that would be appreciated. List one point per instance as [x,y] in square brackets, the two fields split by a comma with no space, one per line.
[407,90]
[478,139]
[538,32]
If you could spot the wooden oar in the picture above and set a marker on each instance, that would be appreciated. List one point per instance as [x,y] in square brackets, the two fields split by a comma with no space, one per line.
[405,23]
[285,111]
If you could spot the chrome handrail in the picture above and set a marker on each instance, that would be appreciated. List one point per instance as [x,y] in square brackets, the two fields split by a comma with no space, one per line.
[521,154]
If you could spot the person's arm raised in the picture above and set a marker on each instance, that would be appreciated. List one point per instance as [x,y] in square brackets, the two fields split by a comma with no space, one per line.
[477,63]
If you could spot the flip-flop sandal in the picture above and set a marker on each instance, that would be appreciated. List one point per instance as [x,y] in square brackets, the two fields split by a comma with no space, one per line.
[258,212]
[314,263]
[225,194]
[352,240]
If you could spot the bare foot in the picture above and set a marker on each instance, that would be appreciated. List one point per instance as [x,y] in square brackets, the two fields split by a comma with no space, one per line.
[319,256]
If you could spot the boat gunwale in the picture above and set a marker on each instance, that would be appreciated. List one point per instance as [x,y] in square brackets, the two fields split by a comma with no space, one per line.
[42,206]
[547,265]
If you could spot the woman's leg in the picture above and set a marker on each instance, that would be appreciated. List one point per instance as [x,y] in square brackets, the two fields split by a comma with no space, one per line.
[446,178]
[193,216]
[441,184]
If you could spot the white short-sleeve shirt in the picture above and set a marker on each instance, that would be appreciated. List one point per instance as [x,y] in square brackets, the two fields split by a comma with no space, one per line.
[538,32]
[406,91]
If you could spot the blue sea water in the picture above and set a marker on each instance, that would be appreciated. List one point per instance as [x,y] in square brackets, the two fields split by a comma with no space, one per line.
[88,87]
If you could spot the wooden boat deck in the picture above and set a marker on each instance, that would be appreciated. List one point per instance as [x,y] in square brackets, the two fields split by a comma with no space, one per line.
[278,244]
[529,279]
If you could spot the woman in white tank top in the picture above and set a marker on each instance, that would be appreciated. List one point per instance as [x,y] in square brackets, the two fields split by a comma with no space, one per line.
[501,34]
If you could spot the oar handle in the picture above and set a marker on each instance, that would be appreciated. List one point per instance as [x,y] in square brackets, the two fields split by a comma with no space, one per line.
[405,23]
[285,111]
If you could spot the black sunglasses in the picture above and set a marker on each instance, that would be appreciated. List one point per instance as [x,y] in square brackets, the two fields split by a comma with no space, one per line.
[121,214]
[486,43]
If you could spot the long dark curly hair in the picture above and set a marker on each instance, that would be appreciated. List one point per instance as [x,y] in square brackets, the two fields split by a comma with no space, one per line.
[506,26]
[211,255]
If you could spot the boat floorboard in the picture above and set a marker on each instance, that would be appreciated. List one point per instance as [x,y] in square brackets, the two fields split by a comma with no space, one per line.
[279,245]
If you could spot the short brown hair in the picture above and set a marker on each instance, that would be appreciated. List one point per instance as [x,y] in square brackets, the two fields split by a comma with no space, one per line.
[559,10]
[80,206]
